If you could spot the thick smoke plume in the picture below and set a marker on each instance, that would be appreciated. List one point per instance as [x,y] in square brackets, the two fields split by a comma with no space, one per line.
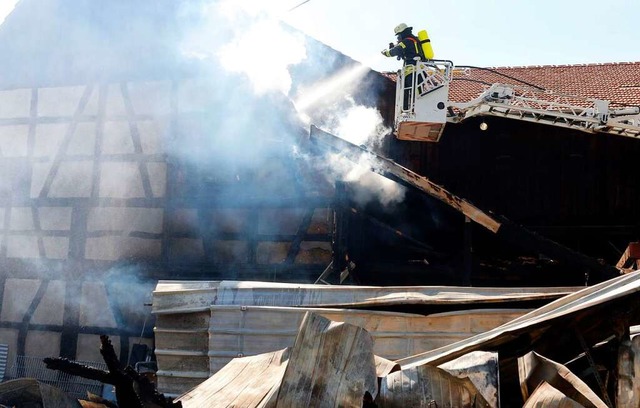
[247,43]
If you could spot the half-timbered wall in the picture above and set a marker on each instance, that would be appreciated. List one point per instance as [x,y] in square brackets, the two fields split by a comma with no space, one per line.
[99,198]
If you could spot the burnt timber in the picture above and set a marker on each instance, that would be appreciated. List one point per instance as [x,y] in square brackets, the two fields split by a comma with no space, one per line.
[498,225]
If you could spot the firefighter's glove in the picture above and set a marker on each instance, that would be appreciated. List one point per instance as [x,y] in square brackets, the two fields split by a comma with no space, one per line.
[385,53]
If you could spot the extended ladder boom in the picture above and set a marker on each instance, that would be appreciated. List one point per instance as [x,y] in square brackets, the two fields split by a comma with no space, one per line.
[590,115]
[426,109]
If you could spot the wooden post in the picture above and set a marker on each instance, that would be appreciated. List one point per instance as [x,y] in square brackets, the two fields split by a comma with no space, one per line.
[468,252]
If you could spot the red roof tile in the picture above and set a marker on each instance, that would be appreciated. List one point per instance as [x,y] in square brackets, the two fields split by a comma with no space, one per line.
[615,82]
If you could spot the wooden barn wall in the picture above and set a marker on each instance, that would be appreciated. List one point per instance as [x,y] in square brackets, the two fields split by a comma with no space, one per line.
[563,183]
[95,207]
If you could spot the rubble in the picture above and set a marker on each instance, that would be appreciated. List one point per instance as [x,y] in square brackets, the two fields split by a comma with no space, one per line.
[131,388]
[201,326]
[541,377]
[560,354]
[29,392]
[330,364]
[473,372]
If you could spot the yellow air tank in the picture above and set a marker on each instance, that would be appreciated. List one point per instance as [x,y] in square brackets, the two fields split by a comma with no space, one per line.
[425,43]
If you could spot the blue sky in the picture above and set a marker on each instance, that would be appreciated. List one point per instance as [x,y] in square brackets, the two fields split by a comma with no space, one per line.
[486,33]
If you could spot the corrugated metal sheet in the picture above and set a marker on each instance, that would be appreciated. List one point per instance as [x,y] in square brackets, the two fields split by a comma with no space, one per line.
[427,386]
[192,346]
[534,370]
[545,396]
[183,311]
[248,330]
[331,365]
[4,355]
[175,296]
[252,379]
[181,348]
[602,293]
[481,368]
[308,376]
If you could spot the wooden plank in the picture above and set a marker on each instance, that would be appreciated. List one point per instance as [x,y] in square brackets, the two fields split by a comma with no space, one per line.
[628,371]
[385,367]
[420,131]
[389,167]
[630,257]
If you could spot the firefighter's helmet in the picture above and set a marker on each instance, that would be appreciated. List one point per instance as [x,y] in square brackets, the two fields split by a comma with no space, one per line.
[400,28]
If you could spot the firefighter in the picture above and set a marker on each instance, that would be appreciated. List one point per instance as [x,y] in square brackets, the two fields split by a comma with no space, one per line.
[408,46]
[408,49]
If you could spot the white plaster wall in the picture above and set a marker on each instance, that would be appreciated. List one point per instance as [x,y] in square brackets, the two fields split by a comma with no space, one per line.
[150,98]
[15,103]
[42,344]
[126,219]
[120,180]
[62,101]
[116,138]
[13,140]
[115,247]
[18,295]
[51,307]
[94,306]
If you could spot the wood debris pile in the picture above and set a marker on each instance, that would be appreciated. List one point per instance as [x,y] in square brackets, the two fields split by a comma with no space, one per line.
[132,389]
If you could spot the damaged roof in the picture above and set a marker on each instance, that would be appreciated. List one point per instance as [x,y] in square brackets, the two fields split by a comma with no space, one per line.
[576,306]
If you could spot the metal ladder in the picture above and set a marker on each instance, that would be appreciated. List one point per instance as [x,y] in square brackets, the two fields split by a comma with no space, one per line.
[574,112]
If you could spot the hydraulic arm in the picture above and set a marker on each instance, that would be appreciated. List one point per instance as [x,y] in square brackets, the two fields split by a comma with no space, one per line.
[423,107]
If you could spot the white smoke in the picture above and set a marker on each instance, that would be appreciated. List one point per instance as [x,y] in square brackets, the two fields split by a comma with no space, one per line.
[264,52]
[329,90]
[6,7]
[367,183]
[370,186]
[361,125]
[248,38]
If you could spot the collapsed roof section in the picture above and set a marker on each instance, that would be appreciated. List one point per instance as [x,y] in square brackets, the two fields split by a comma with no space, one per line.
[568,331]
[500,226]
[579,314]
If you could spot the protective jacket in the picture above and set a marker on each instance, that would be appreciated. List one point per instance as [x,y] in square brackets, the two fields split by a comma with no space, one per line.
[408,48]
